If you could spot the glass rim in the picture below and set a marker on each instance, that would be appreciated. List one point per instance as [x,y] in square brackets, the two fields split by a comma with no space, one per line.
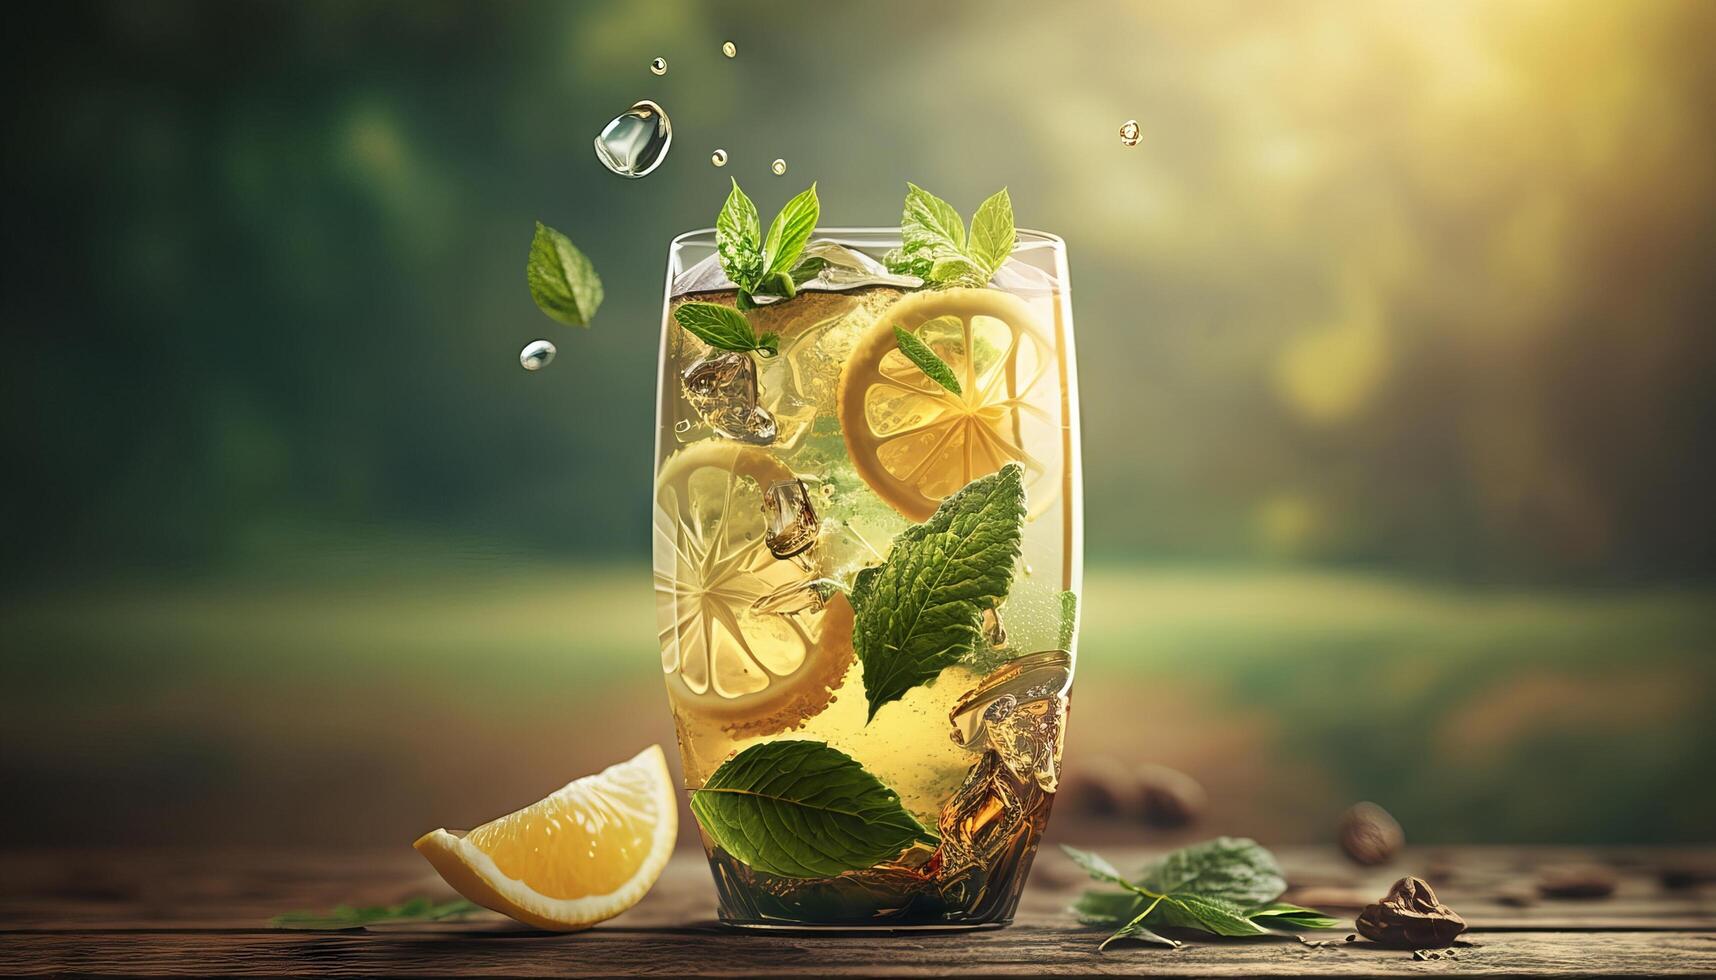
[701,236]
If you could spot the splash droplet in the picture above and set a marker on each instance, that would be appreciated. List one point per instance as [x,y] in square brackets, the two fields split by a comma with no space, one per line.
[729,49]
[779,166]
[635,141]
[658,66]
[536,355]
[1129,133]
[718,158]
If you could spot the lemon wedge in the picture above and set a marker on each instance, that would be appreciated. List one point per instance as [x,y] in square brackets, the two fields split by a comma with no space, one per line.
[585,853]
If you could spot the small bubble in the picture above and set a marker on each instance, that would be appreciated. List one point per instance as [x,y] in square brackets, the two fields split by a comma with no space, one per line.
[658,66]
[1029,570]
[536,355]
[729,49]
[1129,133]
[779,166]
[718,158]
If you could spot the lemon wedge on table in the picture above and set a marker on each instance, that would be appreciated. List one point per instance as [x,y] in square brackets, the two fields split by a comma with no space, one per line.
[583,854]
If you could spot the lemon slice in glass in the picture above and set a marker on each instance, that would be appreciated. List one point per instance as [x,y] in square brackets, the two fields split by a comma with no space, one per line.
[913,441]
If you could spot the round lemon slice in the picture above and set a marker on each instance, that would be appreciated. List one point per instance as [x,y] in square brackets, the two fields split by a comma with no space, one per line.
[730,657]
[584,854]
[915,442]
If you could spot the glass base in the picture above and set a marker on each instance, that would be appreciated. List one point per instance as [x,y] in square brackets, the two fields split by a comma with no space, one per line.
[805,928]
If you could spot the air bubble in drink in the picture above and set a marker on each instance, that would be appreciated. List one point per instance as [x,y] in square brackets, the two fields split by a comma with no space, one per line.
[729,49]
[635,142]
[1129,133]
[658,66]
[779,166]
[536,355]
[718,158]
[792,524]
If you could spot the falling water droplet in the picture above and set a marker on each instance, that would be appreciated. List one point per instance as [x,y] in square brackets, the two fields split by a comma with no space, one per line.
[658,66]
[536,355]
[1129,133]
[718,158]
[635,141]
[729,49]
[779,166]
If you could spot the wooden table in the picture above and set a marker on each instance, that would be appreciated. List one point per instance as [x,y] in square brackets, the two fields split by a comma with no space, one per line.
[188,912]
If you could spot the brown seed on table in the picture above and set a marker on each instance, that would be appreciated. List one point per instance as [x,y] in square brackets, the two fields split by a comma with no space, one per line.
[1410,917]
[1369,835]
[1169,798]
[1352,938]
[1576,881]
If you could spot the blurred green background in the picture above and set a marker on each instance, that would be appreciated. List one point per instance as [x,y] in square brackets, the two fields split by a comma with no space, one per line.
[1396,350]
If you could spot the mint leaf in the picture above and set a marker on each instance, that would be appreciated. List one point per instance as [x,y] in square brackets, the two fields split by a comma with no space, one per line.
[1287,917]
[800,809]
[352,917]
[1069,620]
[789,233]
[921,609]
[724,327]
[919,353]
[1235,869]
[1209,914]
[1136,929]
[1098,867]
[992,233]
[738,240]
[562,281]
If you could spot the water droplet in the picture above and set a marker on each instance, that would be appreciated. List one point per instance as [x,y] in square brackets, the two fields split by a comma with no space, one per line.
[1029,570]
[718,158]
[536,355]
[779,166]
[658,66]
[1129,133]
[729,49]
[635,141]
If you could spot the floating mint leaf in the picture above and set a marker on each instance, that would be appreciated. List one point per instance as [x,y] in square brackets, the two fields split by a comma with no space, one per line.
[919,353]
[562,281]
[800,809]
[992,234]
[738,240]
[921,610]
[724,327]
[790,232]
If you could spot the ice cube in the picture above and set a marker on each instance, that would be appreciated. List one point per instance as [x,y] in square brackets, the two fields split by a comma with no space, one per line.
[845,267]
[791,520]
[985,814]
[705,276]
[1019,712]
[722,388]
[1028,272]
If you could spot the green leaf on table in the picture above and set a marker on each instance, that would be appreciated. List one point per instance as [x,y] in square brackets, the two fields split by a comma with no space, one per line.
[801,809]
[921,610]
[790,232]
[934,367]
[562,281]
[1136,929]
[1236,869]
[724,327]
[1287,917]
[353,916]
[992,233]
[739,240]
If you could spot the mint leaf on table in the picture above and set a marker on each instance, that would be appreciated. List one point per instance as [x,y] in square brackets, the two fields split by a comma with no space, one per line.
[725,328]
[934,245]
[562,281]
[353,917]
[921,610]
[934,367]
[801,809]
[1226,887]
[771,266]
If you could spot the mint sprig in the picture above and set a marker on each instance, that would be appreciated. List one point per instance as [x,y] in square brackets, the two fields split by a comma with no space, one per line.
[921,610]
[562,281]
[766,266]
[928,362]
[725,328]
[801,809]
[934,244]
[1226,887]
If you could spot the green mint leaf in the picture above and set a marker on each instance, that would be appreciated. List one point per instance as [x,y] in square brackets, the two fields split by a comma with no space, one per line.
[1287,917]
[921,610]
[956,270]
[800,809]
[1136,929]
[1099,868]
[1111,909]
[739,240]
[931,231]
[562,281]
[721,326]
[790,232]
[919,353]
[1069,620]
[769,344]
[352,917]
[1204,912]
[992,233]
[808,269]
[1237,870]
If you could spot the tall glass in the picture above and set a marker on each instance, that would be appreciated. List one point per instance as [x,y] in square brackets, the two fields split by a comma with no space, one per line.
[778,479]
